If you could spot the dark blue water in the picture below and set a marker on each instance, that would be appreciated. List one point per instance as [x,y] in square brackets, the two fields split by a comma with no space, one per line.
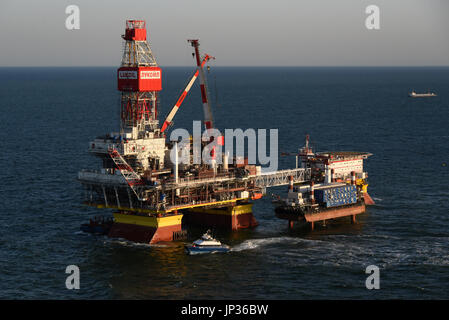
[48,116]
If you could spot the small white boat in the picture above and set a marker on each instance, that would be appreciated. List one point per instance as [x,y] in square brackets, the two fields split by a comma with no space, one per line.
[413,94]
[206,244]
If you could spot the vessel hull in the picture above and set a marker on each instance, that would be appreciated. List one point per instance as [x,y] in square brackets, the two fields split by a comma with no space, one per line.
[234,218]
[143,229]
[297,214]
[192,250]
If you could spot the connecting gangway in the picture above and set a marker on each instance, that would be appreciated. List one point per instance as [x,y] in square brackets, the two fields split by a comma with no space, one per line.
[282,177]
[264,180]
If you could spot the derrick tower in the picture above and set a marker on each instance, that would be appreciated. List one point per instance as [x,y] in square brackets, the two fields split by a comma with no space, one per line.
[139,80]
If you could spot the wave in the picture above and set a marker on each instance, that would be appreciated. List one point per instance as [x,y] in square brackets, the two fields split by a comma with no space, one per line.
[257,243]
[127,243]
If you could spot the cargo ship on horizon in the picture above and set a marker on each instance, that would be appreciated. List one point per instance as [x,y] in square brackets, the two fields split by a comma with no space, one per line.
[413,94]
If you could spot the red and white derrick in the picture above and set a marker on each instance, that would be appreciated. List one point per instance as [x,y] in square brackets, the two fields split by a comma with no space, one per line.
[139,79]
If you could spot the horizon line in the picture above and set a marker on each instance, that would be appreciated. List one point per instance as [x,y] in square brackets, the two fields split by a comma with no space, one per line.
[240,66]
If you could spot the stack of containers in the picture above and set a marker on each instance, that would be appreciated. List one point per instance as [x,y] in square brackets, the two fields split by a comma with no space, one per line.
[336,196]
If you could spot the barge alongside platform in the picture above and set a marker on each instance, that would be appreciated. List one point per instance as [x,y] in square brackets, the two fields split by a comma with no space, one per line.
[338,188]
[320,214]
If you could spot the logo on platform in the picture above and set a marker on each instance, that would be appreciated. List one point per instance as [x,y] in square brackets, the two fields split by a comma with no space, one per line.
[127,74]
[154,74]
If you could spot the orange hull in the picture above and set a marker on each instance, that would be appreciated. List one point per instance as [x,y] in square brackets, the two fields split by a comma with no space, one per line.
[143,234]
[368,200]
[335,213]
[226,218]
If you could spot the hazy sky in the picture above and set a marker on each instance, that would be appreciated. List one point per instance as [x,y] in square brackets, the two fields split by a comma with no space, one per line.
[236,32]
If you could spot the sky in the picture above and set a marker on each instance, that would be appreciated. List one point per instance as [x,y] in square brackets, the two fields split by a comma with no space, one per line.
[236,32]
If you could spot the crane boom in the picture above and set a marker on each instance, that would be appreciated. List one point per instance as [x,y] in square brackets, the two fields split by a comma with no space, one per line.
[208,118]
[174,110]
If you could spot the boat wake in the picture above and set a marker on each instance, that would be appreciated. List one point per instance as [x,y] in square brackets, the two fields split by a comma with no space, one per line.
[257,243]
[127,243]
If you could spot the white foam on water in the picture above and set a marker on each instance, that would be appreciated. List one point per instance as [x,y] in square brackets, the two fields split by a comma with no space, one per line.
[377,199]
[126,243]
[257,243]
[157,245]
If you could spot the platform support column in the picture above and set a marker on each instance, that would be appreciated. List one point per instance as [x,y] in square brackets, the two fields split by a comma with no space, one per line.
[312,225]
[312,194]
[116,195]
[130,199]
[353,218]
[146,229]
[290,224]
[105,196]
[233,217]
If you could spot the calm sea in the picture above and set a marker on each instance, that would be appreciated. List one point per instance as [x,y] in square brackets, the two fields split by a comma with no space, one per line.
[48,116]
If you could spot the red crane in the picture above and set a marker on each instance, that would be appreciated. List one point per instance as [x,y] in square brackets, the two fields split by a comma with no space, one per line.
[174,110]
[208,118]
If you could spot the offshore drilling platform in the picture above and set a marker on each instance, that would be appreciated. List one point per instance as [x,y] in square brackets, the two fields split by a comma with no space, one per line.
[152,196]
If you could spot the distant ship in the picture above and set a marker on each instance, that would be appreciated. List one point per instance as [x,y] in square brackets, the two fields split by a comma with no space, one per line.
[413,94]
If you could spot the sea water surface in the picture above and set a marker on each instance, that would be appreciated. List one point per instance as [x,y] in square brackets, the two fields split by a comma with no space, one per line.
[49,115]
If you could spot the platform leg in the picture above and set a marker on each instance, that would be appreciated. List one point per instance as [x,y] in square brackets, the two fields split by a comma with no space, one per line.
[290,224]
[312,225]
[232,217]
[353,218]
[146,229]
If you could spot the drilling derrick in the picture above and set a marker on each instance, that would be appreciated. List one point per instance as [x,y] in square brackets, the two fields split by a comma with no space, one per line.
[139,80]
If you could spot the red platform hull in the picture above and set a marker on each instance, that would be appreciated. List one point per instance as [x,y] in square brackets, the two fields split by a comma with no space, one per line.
[145,229]
[143,234]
